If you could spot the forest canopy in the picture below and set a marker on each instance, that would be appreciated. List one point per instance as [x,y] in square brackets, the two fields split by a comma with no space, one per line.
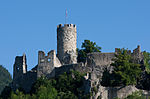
[5,78]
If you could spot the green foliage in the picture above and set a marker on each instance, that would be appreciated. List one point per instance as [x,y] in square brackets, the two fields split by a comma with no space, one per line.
[5,78]
[70,82]
[42,81]
[125,72]
[66,95]
[87,47]
[106,78]
[147,61]
[136,95]
[20,95]
[48,92]
[65,86]
[43,89]
[6,92]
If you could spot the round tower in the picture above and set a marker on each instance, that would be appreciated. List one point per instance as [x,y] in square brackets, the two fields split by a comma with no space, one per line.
[66,43]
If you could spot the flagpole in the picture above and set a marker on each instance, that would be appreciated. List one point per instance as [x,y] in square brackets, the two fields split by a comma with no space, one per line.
[66,16]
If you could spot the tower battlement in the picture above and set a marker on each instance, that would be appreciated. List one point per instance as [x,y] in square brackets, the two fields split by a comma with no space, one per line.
[66,26]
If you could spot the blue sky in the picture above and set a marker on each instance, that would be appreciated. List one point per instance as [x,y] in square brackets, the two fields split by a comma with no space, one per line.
[27,26]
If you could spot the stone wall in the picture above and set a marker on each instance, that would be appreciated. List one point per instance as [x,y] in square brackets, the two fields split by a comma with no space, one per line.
[100,59]
[28,80]
[47,63]
[137,55]
[98,62]
[66,43]
[19,69]
[25,81]
[66,68]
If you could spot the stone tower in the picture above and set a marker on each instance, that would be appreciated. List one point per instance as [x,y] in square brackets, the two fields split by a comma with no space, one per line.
[66,43]
[20,68]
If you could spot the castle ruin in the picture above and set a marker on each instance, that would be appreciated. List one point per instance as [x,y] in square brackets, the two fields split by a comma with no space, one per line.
[52,64]
[66,54]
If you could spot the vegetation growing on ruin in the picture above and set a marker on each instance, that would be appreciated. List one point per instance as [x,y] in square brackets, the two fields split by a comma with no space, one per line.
[66,86]
[5,78]
[125,72]
[147,61]
[87,47]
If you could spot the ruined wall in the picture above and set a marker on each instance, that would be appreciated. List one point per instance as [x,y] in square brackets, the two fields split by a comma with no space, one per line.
[66,43]
[47,63]
[19,69]
[98,62]
[137,55]
[28,80]
[66,68]
[100,59]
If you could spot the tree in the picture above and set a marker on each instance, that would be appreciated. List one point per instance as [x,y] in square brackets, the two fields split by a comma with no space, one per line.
[20,95]
[46,92]
[65,86]
[145,76]
[5,78]
[66,95]
[87,47]
[69,84]
[147,61]
[6,92]
[43,89]
[125,72]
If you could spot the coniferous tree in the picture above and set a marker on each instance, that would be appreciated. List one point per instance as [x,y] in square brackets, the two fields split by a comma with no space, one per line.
[125,72]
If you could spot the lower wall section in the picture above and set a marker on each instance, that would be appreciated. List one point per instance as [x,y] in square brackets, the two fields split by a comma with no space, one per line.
[25,81]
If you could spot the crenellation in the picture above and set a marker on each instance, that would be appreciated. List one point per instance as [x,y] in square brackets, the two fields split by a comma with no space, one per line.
[74,25]
[66,26]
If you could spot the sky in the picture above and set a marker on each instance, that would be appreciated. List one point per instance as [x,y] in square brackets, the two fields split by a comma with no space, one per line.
[27,26]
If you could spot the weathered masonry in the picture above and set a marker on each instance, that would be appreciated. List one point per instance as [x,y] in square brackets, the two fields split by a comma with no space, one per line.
[66,43]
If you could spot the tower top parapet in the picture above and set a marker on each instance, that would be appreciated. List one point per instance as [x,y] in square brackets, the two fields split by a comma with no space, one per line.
[66,25]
